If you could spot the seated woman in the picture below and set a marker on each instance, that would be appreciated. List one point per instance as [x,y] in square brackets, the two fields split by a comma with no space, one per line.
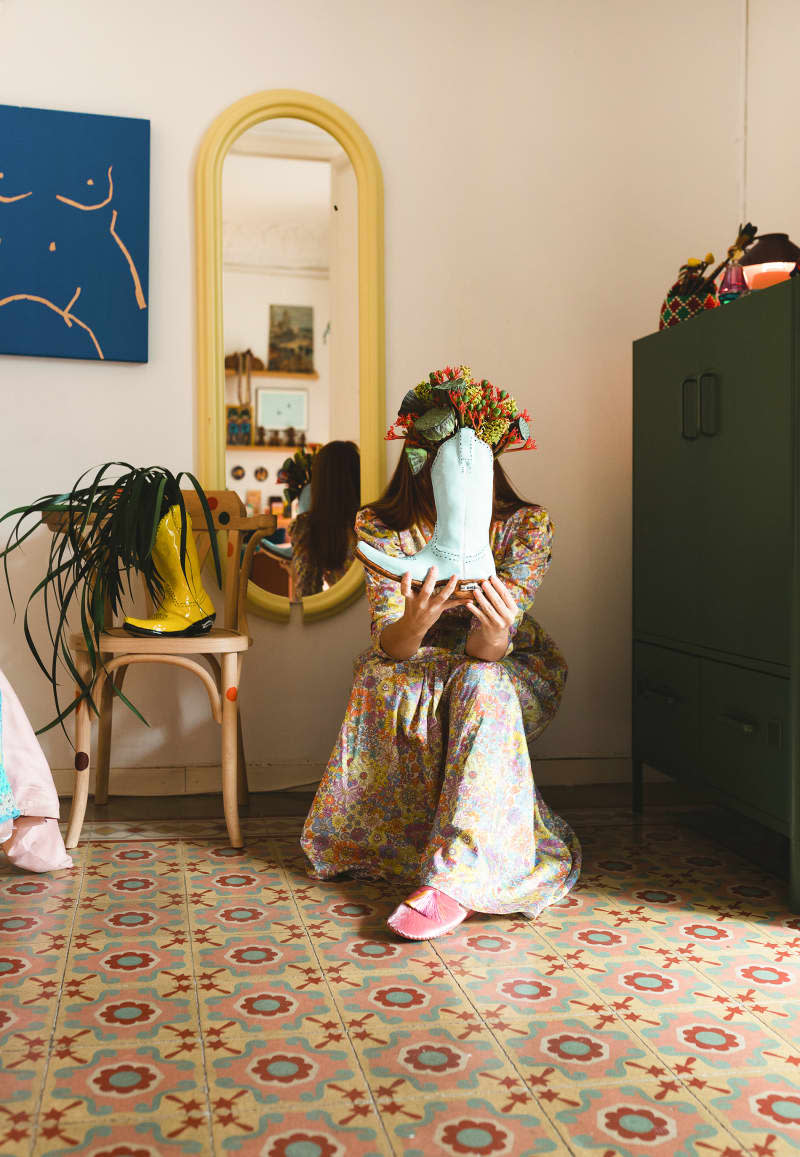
[430,783]
[29,833]
[323,538]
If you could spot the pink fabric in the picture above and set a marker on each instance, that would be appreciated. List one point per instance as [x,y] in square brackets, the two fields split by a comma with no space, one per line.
[427,913]
[34,843]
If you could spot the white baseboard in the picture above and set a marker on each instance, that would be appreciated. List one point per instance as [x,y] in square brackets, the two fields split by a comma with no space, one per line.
[280,776]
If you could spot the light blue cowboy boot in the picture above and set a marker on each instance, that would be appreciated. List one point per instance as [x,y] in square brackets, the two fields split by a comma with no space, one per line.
[462,476]
[284,549]
[277,549]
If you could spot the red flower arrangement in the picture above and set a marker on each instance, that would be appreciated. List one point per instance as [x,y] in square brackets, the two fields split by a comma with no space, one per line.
[450,399]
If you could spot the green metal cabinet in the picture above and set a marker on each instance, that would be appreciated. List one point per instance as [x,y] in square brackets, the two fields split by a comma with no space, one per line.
[716,582]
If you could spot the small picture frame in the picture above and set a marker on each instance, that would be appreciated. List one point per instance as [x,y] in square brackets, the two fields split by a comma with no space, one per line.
[291,339]
[280,409]
[238,426]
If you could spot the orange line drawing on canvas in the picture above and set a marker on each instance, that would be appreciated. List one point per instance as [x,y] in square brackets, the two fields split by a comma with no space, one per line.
[90,208]
[19,197]
[140,301]
[67,316]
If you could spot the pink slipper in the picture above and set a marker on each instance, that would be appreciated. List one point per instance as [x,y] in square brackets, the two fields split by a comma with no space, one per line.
[427,913]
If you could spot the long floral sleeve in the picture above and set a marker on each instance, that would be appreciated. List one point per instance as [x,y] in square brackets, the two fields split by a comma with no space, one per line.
[522,549]
[386,603]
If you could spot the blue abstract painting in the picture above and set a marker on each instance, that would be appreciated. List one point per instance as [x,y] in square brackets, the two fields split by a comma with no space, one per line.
[74,234]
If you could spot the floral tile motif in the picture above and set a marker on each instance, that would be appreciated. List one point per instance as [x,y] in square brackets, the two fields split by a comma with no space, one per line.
[348,912]
[23,1013]
[17,1129]
[662,1119]
[270,1006]
[531,990]
[762,1109]
[128,962]
[656,980]
[239,957]
[379,953]
[591,1049]
[22,1076]
[345,1126]
[188,1135]
[393,999]
[288,1067]
[435,1060]
[239,914]
[135,918]
[712,1038]
[129,1015]
[759,972]
[116,1083]
[21,966]
[469,1126]
[498,945]
[125,881]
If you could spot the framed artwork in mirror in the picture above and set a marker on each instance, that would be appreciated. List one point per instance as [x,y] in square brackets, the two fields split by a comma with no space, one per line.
[291,339]
[278,409]
[238,425]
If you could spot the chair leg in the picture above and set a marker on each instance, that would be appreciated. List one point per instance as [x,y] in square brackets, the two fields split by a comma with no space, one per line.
[242,786]
[83,740]
[106,706]
[229,687]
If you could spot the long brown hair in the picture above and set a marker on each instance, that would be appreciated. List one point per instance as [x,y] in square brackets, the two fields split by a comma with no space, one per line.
[408,499]
[335,498]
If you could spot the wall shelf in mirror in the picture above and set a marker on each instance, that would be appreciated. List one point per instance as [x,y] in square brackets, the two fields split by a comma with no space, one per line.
[271,374]
[225,131]
[261,449]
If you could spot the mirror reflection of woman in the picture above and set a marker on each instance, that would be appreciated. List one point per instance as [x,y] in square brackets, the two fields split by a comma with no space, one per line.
[430,783]
[323,538]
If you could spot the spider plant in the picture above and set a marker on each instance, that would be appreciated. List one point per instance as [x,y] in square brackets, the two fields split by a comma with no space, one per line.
[107,528]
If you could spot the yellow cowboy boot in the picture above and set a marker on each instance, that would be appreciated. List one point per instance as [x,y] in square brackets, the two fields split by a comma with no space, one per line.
[186,608]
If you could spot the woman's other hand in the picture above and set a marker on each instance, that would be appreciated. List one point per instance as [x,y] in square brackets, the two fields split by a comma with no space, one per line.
[422,609]
[495,611]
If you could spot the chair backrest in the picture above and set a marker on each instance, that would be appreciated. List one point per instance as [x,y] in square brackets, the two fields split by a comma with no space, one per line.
[233,527]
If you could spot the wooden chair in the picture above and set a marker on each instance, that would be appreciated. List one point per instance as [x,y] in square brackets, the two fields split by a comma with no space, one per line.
[223,649]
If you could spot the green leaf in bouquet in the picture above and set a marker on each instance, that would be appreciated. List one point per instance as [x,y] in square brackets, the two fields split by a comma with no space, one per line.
[454,386]
[417,457]
[436,424]
[412,403]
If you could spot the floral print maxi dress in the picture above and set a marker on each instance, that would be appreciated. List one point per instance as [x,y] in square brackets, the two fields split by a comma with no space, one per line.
[430,781]
[309,579]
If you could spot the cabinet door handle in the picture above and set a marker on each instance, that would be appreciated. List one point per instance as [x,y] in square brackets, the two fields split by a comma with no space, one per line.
[658,693]
[690,409]
[709,404]
[746,726]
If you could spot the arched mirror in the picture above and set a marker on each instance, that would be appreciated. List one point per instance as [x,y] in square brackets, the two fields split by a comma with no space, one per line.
[290,337]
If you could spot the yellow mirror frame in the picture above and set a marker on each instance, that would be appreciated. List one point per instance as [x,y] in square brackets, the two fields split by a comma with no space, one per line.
[229,125]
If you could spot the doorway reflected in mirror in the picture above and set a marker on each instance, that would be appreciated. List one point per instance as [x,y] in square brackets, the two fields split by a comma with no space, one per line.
[290,310]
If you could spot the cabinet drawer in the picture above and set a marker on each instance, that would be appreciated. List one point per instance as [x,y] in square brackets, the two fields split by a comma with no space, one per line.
[666,709]
[745,736]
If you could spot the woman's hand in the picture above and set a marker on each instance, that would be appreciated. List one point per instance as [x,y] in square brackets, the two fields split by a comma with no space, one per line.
[495,611]
[423,607]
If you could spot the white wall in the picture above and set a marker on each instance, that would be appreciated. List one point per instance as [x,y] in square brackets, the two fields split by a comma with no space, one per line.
[548,166]
[344,303]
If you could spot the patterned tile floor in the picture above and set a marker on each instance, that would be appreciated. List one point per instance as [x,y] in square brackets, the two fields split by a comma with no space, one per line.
[171,996]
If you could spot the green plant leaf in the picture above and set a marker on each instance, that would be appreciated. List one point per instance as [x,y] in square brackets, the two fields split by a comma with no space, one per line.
[436,424]
[417,457]
[455,386]
[111,517]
